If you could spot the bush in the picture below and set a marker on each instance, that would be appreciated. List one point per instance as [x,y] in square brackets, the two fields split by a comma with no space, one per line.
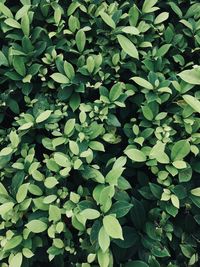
[100,138]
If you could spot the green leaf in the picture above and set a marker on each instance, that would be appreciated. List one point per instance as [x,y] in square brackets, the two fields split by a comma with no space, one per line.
[147,112]
[192,102]
[43,116]
[19,66]
[136,155]
[112,227]
[180,150]
[103,239]
[195,192]
[59,78]
[3,59]
[22,192]
[16,261]
[107,19]
[69,70]
[36,226]
[80,40]
[128,47]
[163,50]
[120,208]
[191,76]
[142,82]
[115,91]
[136,264]
[74,101]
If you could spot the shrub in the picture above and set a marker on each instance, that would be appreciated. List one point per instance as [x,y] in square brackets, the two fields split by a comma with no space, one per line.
[100,138]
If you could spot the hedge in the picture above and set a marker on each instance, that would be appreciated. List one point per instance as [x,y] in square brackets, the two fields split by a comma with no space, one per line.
[99,131]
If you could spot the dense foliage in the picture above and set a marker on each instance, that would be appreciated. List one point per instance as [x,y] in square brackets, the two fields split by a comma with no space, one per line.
[99,131]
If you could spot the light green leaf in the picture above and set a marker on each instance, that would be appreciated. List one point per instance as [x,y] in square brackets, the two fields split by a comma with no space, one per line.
[128,47]
[163,50]
[191,76]
[43,116]
[103,258]
[192,102]
[157,152]
[142,82]
[61,159]
[50,182]
[175,201]
[112,227]
[136,155]
[103,239]
[195,192]
[80,40]
[22,192]
[73,146]
[161,17]
[95,145]
[36,226]
[12,23]
[6,207]
[13,242]
[148,6]
[107,19]
[54,213]
[14,139]
[69,126]
[90,214]
[26,126]
[179,164]
[5,10]
[113,175]
[131,30]
[16,261]
[59,78]
[25,24]
[6,151]
[27,253]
